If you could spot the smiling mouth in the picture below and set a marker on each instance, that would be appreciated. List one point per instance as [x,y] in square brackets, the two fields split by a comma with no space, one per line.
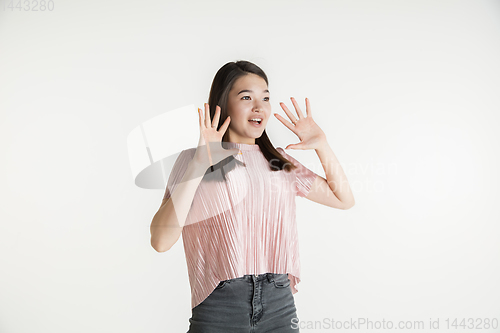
[256,119]
[255,123]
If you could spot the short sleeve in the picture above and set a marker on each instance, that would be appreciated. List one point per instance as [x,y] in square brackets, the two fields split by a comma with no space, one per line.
[304,177]
[178,171]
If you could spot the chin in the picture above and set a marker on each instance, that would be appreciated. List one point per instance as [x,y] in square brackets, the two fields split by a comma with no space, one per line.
[258,136]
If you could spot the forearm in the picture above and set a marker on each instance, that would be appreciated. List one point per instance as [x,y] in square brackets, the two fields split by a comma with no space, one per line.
[168,222]
[335,176]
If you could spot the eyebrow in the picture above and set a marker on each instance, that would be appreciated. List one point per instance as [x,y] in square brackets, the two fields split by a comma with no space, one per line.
[251,91]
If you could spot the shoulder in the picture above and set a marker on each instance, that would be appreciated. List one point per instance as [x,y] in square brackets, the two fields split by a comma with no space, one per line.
[285,155]
[281,150]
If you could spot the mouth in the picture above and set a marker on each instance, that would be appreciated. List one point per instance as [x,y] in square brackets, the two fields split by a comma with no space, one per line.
[256,121]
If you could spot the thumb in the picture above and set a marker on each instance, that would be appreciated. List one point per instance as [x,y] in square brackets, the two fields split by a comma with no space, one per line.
[295,146]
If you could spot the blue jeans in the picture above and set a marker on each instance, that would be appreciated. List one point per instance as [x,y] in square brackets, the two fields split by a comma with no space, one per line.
[250,304]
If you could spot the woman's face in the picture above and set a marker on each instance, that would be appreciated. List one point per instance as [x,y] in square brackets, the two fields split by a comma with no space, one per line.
[248,99]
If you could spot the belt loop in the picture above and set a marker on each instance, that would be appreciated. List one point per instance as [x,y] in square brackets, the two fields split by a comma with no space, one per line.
[270,277]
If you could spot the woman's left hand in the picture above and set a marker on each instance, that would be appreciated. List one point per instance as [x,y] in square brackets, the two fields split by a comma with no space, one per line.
[309,133]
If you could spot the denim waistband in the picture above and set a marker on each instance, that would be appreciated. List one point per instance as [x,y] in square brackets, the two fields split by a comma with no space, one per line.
[259,277]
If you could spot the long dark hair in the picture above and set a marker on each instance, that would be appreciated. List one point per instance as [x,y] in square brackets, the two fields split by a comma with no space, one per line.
[223,81]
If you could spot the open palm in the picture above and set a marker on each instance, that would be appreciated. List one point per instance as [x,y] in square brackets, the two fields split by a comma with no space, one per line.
[309,133]
[211,138]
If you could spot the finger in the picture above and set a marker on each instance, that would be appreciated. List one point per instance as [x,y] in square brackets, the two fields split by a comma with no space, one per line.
[294,146]
[200,117]
[207,116]
[215,123]
[288,113]
[285,122]
[297,109]
[308,108]
[225,125]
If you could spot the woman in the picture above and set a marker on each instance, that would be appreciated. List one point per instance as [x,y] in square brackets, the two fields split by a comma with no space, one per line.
[235,207]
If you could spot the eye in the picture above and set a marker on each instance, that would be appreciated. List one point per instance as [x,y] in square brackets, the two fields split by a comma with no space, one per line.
[265,98]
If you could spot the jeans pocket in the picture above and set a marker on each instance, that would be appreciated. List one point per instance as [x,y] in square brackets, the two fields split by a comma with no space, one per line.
[281,280]
[222,284]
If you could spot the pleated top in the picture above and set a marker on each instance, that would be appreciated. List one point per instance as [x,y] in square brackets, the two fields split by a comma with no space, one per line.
[242,219]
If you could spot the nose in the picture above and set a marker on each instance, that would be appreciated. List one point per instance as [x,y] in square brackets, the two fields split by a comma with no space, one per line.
[258,107]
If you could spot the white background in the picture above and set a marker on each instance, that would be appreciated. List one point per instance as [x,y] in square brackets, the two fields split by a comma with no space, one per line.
[406,91]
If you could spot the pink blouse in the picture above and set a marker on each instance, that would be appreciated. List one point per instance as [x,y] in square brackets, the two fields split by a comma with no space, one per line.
[244,225]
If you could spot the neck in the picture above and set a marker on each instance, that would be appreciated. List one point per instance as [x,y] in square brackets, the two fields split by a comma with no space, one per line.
[241,146]
[234,138]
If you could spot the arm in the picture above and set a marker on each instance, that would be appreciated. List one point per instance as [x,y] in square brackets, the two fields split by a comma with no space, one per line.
[334,191]
[169,221]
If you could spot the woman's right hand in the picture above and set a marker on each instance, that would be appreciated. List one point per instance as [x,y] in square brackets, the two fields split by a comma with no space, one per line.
[210,150]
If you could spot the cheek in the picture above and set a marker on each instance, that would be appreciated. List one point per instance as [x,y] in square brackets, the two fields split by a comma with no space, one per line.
[238,117]
[236,121]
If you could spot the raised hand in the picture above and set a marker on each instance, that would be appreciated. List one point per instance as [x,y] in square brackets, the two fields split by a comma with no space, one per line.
[210,150]
[309,133]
